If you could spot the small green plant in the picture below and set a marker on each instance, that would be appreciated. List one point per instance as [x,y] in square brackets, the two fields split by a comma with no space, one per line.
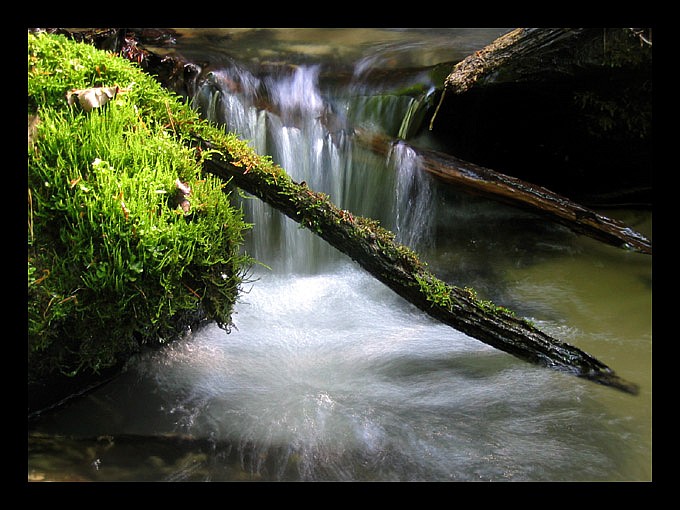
[486,305]
[435,290]
[127,238]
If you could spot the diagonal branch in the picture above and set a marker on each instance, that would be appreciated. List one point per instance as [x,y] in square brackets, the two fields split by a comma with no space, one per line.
[395,265]
[514,191]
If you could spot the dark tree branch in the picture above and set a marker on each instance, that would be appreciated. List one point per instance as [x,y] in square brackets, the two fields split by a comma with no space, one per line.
[375,249]
[504,188]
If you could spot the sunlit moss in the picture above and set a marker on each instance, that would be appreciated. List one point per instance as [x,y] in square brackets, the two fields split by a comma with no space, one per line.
[115,258]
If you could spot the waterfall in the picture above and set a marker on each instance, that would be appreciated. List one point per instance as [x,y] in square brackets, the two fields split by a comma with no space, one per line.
[415,200]
[309,134]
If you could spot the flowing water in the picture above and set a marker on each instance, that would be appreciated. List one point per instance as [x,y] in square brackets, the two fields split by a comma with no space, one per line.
[327,374]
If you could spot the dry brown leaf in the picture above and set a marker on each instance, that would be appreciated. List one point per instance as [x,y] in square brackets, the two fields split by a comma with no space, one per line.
[93,97]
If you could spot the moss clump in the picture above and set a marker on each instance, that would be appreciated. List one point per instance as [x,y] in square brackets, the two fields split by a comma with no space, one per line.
[127,238]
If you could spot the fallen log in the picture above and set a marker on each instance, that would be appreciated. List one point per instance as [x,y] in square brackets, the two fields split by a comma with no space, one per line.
[374,248]
[567,108]
[541,54]
[484,181]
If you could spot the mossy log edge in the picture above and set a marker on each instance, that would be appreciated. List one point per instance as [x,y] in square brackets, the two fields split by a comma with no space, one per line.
[396,266]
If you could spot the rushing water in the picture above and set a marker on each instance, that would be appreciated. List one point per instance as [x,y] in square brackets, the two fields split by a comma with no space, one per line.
[327,374]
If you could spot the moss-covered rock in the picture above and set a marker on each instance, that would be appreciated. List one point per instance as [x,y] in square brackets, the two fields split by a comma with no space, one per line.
[128,241]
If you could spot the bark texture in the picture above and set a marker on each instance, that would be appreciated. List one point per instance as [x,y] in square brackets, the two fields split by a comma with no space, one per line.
[541,54]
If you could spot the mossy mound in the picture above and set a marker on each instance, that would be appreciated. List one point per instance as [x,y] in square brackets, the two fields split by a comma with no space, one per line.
[128,239]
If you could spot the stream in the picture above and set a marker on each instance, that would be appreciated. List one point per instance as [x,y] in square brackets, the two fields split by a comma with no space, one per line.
[326,374]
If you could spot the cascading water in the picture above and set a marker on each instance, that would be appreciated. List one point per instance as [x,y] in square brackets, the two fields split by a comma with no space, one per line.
[294,130]
[328,375]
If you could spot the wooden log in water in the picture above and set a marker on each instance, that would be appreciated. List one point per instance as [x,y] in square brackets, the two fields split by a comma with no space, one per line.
[504,188]
[543,54]
[569,108]
[398,267]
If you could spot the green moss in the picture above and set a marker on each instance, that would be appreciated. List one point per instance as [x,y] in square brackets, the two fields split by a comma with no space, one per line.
[114,261]
[444,295]
[436,291]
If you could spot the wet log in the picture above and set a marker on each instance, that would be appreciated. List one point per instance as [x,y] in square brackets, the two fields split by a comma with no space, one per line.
[398,267]
[567,108]
[497,186]
[546,54]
